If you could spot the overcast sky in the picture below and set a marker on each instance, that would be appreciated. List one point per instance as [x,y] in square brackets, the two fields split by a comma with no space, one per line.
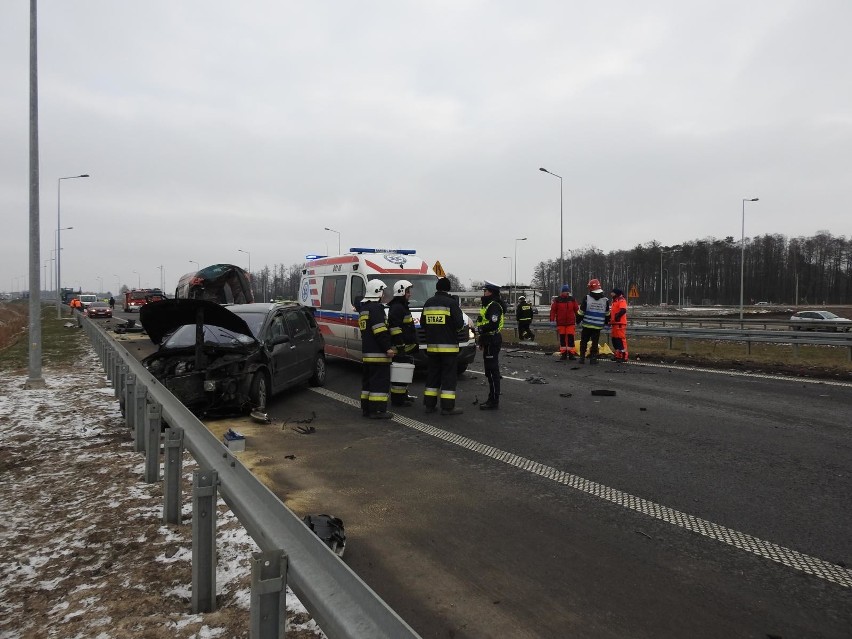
[213,126]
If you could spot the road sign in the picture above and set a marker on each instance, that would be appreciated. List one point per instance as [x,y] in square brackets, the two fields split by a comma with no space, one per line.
[439,270]
[634,292]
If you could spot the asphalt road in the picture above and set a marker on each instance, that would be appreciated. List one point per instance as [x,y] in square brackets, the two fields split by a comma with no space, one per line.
[691,504]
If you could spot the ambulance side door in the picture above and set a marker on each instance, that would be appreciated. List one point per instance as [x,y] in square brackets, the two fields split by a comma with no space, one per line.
[357,288]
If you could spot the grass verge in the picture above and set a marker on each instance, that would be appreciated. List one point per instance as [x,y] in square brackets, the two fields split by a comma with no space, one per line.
[60,345]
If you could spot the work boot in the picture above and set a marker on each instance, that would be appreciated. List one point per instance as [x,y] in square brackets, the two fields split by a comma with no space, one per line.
[382,415]
[451,411]
[571,356]
[593,359]
[489,405]
[582,360]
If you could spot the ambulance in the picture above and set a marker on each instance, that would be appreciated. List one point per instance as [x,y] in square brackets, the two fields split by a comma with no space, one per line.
[333,287]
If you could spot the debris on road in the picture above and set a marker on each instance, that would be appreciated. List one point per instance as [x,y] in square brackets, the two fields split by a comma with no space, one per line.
[329,529]
[603,392]
[536,380]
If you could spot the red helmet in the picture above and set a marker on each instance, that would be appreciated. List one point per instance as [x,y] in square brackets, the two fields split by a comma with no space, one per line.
[595,286]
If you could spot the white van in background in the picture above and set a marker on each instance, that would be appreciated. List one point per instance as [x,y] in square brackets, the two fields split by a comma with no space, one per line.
[86,299]
[333,286]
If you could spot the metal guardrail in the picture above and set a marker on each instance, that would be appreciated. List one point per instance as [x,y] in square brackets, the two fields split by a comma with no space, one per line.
[291,554]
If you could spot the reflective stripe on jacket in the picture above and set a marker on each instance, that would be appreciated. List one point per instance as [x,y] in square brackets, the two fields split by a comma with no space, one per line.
[441,321]
[375,337]
[594,312]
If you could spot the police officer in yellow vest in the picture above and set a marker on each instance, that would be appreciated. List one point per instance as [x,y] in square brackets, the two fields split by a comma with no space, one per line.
[488,326]
[442,320]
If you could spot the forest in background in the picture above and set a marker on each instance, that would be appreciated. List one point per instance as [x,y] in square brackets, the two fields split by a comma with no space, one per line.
[708,270]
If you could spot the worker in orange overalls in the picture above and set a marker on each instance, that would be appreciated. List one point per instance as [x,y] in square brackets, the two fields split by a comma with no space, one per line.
[619,324]
[563,314]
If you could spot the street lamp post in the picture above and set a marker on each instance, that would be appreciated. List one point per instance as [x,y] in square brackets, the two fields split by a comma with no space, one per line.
[742,254]
[59,238]
[117,283]
[249,259]
[515,262]
[138,279]
[338,238]
[662,252]
[681,289]
[197,265]
[509,257]
[561,265]
[101,280]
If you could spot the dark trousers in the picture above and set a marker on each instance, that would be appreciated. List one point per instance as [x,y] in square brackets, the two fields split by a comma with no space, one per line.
[589,334]
[524,331]
[375,388]
[441,376]
[491,361]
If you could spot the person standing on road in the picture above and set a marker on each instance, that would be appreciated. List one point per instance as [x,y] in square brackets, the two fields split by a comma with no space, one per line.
[442,320]
[563,313]
[111,303]
[404,337]
[524,315]
[376,352]
[594,315]
[488,327]
[619,325]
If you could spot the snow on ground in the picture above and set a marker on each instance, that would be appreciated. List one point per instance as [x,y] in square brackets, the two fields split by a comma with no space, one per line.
[83,550]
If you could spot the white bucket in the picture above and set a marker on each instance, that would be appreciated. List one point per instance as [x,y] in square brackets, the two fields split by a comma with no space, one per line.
[402,373]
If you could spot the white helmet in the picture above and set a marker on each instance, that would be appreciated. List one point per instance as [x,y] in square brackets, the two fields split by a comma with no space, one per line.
[375,288]
[400,287]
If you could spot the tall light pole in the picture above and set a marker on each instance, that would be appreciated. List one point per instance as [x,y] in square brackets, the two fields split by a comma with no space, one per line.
[515,277]
[59,240]
[117,283]
[662,252]
[249,259]
[681,292]
[338,238]
[561,265]
[138,279]
[509,257]
[101,280]
[742,254]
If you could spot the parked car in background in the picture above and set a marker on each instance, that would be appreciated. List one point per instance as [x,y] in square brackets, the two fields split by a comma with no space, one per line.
[87,299]
[227,359]
[98,309]
[819,321]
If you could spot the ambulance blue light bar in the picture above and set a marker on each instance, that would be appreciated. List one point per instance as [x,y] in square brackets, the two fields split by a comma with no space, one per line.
[315,257]
[382,250]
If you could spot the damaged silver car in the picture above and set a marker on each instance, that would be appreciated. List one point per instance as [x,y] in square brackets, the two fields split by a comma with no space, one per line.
[227,359]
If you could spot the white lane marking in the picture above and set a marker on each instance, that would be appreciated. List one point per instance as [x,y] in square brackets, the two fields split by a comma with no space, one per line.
[698,369]
[748,543]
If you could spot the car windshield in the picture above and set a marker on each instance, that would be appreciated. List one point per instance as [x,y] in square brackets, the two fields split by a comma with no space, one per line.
[100,304]
[214,335]
[254,321]
[829,316]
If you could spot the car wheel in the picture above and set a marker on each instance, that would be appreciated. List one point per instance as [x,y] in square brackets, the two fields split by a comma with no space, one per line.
[259,392]
[318,378]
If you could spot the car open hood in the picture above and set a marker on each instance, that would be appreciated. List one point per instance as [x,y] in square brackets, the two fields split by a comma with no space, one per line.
[161,318]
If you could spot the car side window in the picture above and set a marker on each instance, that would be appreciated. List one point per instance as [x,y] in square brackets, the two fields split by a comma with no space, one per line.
[298,324]
[276,327]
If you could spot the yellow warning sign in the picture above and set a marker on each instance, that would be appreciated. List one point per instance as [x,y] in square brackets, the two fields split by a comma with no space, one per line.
[439,270]
[634,292]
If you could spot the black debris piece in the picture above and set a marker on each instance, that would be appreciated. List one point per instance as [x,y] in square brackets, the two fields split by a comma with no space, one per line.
[329,529]
[603,392]
[304,430]
[536,380]
[643,408]
[289,457]
[565,394]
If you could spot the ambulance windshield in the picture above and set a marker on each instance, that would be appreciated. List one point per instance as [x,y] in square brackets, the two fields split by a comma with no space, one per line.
[423,287]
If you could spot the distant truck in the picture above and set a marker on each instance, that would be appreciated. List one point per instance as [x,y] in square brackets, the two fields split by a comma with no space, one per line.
[136,298]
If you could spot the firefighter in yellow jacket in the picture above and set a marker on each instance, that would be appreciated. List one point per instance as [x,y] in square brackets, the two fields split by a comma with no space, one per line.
[376,352]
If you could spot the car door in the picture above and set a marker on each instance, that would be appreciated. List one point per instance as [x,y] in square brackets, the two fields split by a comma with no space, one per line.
[302,341]
[283,360]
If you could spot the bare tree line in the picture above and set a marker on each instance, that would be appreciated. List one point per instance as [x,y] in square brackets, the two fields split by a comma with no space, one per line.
[776,269]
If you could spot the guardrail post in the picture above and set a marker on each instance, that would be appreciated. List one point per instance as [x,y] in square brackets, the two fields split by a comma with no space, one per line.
[130,399]
[268,595]
[152,444]
[139,416]
[173,467]
[204,540]
[849,354]
[748,347]
[122,379]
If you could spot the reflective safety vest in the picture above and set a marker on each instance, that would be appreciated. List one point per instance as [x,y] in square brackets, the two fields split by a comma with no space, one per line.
[490,320]
[595,312]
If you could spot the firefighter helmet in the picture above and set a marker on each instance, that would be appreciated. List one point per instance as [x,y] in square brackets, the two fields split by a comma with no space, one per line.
[400,287]
[375,289]
[595,286]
